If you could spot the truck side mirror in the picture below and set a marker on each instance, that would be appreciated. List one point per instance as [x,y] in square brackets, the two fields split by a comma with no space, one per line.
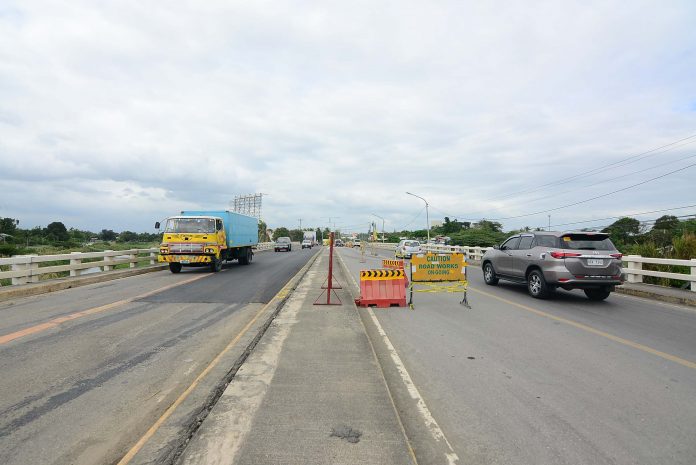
[157,225]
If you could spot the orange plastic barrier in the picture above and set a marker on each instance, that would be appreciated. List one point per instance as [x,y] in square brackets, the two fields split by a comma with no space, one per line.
[382,288]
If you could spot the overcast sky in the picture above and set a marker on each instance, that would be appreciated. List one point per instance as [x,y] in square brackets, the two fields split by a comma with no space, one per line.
[117,114]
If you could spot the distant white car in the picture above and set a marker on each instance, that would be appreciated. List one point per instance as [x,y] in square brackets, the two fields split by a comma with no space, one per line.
[408,248]
[306,244]
[356,242]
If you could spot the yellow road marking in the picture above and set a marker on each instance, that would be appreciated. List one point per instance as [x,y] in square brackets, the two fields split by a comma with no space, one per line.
[4,339]
[589,329]
[167,413]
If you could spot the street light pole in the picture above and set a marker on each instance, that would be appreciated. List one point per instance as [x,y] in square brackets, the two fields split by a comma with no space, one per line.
[427,217]
[382,226]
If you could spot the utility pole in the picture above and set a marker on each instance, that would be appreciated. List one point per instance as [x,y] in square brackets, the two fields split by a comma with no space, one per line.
[549,222]
[300,220]
[382,225]
[334,218]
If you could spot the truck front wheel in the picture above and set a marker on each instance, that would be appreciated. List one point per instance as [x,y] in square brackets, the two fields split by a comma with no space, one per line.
[215,265]
[175,267]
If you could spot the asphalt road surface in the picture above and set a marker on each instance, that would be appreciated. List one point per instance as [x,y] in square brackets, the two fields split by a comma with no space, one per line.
[516,380]
[86,371]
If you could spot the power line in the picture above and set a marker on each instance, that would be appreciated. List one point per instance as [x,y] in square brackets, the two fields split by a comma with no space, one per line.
[643,223]
[403,228]
[593,184]
[596,197]
[622,216]
[628,160]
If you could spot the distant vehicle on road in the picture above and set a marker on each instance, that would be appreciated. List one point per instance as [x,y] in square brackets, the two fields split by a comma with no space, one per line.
[307,244]
[545,261]
[283,243]
[339,243]
[407,248]
[356,243]
[311,236]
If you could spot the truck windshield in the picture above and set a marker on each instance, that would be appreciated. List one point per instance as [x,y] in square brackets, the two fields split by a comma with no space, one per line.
[190,225]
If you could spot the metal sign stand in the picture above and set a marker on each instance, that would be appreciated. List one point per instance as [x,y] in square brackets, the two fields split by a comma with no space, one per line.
[330,288]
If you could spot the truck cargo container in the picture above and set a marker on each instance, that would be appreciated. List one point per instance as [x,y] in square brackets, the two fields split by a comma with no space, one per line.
[310,235]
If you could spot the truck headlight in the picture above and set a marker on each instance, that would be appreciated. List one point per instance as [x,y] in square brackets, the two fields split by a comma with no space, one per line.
[209,250]
[164,250]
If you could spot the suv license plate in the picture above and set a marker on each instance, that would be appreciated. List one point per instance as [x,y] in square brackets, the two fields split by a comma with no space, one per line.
[595,262]
[184,262]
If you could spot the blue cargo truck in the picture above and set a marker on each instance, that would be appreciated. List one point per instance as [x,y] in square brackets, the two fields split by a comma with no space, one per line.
[207,238]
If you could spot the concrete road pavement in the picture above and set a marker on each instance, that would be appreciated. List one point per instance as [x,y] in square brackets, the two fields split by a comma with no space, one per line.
[516,380]
[87,371]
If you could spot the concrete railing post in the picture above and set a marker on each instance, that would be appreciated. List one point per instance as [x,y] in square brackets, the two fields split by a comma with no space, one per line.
[75,261]
[693,274]
[33,270]
[21,267]
[108,259]
[153,258]
[634,264]
[134,260]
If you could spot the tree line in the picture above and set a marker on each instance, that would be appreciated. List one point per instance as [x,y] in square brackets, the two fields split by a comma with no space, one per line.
[15,240]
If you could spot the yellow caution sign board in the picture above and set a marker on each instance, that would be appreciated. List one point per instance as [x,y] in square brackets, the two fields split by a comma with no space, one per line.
[381,275]
[438,267]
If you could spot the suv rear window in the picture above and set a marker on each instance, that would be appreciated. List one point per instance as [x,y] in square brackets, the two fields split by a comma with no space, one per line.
[586,242]
[283,239]
[411,243]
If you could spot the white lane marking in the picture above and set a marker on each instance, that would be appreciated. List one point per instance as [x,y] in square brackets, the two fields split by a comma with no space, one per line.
[428,418]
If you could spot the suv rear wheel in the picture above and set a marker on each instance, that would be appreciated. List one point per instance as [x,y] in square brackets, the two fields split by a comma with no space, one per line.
[536,285]
[489,276]
[597,294]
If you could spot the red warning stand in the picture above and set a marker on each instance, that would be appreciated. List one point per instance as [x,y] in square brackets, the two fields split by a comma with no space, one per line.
[329,289]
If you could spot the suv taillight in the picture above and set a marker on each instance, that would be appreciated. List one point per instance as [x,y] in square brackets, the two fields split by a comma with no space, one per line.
[555,254]
[617,255]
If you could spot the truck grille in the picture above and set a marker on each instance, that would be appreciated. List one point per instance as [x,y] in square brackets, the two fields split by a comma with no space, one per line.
[186,248]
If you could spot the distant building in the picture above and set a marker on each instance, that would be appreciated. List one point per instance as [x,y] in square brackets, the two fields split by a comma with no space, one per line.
[435,223]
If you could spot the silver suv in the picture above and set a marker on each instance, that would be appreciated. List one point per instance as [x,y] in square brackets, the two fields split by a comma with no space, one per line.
[548,260]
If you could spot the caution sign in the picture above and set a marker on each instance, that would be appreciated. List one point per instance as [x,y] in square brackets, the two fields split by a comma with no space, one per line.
[381,275]
[394,264]
[438,267]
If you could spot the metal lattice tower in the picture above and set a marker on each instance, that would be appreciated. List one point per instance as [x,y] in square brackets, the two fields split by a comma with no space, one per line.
[249,204]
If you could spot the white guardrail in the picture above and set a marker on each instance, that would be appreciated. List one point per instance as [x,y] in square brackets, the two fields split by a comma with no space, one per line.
[633,264]
[26,269]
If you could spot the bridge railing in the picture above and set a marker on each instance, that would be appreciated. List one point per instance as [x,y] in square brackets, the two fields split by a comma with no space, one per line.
[24,269]
[634,269]
[633,264]
[471,253]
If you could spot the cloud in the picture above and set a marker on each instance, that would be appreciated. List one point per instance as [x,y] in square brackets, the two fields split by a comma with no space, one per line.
[114,115]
